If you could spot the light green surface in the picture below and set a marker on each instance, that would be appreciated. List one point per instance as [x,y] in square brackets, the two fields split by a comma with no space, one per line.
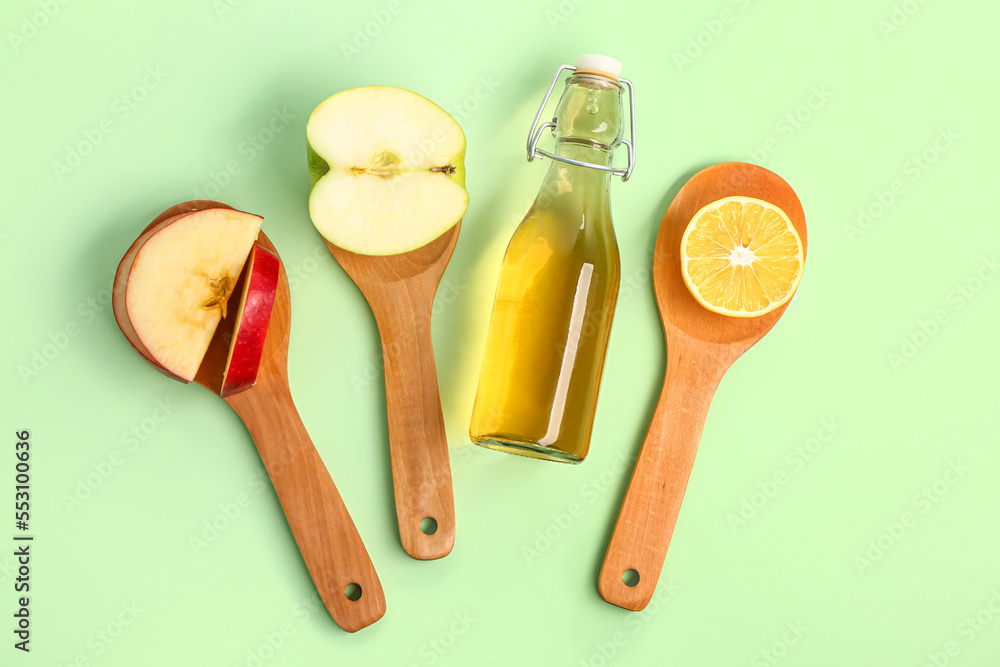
[887,95]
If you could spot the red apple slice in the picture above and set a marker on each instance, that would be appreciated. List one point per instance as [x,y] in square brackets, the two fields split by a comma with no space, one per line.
[259,287]
[172,287]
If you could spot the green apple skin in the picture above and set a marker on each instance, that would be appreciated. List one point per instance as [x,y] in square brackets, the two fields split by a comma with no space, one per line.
[319,168]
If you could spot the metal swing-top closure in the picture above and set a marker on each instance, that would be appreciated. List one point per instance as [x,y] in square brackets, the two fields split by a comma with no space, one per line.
[588,63]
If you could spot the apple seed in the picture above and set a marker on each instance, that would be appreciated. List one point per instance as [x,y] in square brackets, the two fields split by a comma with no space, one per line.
[383,164]
[221,288]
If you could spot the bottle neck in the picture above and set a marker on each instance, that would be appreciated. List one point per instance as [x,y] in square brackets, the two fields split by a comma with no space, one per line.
[583,151]
[588,128]
[566,179]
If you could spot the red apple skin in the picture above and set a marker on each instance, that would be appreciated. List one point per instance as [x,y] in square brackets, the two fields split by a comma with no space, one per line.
[168,217]
[188,207]
[121,283]
[251,329]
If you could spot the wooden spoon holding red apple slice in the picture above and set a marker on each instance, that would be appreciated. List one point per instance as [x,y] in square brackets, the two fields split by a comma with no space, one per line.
[701,346]
[323,529]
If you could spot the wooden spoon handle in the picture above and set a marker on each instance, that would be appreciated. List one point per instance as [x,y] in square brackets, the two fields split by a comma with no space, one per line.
[653,499]
[330,544]
[418,445]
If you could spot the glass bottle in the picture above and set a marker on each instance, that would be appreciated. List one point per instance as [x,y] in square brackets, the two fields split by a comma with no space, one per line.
[558,284]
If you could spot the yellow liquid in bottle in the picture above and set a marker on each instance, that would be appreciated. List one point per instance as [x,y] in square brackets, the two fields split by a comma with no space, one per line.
[548,333]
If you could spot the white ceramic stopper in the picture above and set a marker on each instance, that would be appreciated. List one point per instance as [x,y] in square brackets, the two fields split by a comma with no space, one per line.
[599,63]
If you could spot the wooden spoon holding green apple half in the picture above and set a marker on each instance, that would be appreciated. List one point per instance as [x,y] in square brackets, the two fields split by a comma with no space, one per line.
[388,193]
[701,346]
[170,297]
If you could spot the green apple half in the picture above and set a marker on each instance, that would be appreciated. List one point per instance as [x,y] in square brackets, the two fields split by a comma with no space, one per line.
[387,170]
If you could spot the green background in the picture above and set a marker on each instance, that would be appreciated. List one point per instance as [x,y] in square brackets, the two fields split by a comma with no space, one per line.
[869,87]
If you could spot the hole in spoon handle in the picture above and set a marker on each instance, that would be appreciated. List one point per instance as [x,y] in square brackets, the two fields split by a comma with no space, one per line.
[323,529]
[428,525]
[652,502]
[418,445]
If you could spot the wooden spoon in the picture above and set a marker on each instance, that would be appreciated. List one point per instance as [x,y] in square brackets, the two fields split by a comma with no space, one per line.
[701,346]
[400,290]
[327,537]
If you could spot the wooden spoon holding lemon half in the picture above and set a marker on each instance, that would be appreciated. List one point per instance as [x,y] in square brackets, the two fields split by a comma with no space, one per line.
[729,256]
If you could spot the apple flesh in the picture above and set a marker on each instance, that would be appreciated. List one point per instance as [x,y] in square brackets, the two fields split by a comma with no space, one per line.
[173,285]
[260,284]
[387,170]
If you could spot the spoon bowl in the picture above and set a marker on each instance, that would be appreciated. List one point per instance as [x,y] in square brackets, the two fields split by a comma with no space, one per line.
[678,308]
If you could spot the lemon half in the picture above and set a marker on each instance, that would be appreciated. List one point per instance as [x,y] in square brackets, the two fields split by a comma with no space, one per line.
[741,257]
